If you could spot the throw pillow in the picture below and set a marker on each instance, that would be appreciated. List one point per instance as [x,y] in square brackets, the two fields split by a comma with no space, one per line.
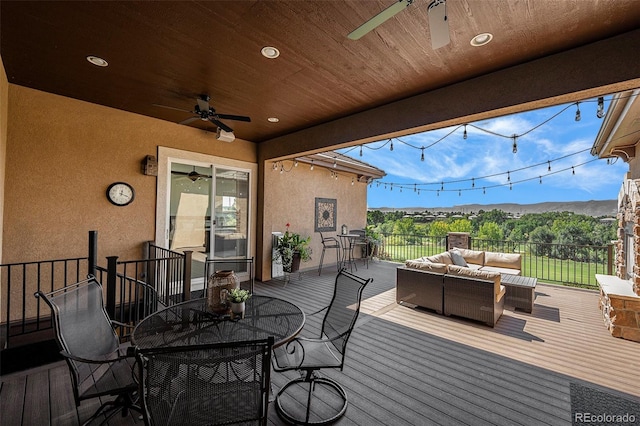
[457,258]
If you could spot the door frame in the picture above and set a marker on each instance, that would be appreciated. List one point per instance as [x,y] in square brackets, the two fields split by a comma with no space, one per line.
[166,156]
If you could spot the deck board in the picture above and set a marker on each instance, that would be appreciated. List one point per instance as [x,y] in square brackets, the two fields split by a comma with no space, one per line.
[409,366]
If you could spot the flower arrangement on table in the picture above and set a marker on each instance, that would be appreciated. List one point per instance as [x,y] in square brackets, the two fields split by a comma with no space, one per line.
[238,295]
[289,246]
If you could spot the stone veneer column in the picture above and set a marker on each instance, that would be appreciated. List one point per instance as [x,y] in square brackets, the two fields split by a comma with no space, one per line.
[458,239]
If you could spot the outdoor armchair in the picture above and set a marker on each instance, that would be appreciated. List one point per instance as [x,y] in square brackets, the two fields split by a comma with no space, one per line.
[98,363]
[326,351]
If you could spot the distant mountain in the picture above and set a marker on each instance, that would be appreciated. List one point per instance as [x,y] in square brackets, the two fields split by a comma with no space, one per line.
[589,208]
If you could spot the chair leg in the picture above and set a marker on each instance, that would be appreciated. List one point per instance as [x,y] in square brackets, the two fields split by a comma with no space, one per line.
[321,259]
[122,403]
[313,382]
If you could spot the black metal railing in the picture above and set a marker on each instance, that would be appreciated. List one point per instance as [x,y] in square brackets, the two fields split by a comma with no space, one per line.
[23,313]
[133,288]
[574,265]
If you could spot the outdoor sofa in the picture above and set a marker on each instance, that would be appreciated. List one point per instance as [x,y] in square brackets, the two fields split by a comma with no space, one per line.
[461,282]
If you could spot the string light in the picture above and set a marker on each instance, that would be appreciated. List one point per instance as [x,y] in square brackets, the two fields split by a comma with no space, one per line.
[464,134]
[311,168]
[360,150]
[422,155]
[335,163]
[573,171]
[508,176]
[391,147]
[295,163]
[578,111]
[473,182]
[600,112]
[549,168]
[352,181]
[515,144]
[540,179]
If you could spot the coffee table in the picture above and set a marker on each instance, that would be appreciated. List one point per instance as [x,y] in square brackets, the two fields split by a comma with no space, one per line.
[520,291]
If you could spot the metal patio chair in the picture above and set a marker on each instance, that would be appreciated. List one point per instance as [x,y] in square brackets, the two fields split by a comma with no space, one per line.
[327,351]
[212,384]
[327,244]
[97,360]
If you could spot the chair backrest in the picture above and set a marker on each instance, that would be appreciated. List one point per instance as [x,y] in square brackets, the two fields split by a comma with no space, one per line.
[344,308]
[83,328]
[206,384]
[326,241]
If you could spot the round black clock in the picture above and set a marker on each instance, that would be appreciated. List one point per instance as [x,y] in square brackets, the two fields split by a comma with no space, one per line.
[120,193]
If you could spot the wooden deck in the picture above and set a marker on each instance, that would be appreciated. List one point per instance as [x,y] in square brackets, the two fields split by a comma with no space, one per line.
[409,366]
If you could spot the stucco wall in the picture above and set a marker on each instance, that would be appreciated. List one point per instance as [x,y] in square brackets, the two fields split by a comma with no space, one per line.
[290,198]
[61,156]
[4,102]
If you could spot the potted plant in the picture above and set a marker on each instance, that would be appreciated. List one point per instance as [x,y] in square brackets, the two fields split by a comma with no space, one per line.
[237,297]
[292,248]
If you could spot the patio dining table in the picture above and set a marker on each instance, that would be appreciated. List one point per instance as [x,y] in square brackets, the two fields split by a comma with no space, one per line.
[194,323]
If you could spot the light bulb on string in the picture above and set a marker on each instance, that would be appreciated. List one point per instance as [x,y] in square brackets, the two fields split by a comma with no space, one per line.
[422,155]
[295,163]
[438,193]
[275,167]
[311,168]
[473,182]
[464,134]
[510,186]
[541,179]
[515,144]
[281,168]
[459,193]
[360,150]
[352,181]
[573,171]
[484,191]
[508,176]
[441,186]
[415,187]
[335,163]
[578,111]
[549,167]
[600,112]
[391,147]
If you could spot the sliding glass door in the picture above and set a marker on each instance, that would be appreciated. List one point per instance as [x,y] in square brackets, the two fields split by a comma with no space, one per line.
[208,214]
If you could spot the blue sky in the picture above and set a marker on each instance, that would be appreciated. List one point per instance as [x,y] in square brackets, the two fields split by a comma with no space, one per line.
[548,137]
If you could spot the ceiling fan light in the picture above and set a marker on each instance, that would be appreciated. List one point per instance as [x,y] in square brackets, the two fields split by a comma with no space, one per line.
[481,39]
[96,60]
[270,52]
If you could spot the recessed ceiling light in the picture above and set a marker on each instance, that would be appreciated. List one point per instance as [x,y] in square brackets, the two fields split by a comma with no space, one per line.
[481,39]
[95,60]
[273,119]
[270,52]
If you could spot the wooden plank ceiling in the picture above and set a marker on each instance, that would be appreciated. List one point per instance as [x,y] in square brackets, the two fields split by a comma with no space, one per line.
[167,53]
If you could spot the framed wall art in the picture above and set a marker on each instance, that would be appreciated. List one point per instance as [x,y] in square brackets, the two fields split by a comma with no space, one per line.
[325,214]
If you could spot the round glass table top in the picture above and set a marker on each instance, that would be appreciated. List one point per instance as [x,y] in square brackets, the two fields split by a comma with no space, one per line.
[193,323]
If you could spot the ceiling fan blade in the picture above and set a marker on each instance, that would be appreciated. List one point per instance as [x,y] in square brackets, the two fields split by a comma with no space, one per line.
[221,125]
[177,109]
[189,120]
[438,24]
[203,103]
[234,117]
[380,18]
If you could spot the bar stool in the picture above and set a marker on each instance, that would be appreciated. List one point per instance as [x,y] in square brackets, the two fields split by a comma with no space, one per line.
[329,243]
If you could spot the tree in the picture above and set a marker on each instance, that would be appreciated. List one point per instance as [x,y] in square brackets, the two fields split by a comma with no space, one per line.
[439,229]
[460,225]
[542,237]
[490,231]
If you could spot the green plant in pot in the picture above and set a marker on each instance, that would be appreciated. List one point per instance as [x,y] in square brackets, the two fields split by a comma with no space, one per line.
[291,249]
[237,297]
[373,239]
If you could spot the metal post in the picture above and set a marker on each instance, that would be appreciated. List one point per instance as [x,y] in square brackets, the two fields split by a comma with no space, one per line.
[186,277]
[93,252]
[112,272]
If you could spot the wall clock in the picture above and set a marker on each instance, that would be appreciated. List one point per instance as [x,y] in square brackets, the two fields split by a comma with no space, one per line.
[120,193]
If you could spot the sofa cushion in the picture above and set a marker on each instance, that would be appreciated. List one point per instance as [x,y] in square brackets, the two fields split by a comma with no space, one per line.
[444,257]
[503,260]
[479,274]
[457,258]
[471,256]
[427,266]
[501,270]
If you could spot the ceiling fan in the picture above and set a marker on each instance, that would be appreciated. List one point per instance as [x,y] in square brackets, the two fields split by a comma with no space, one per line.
[203,111]
[438,23]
